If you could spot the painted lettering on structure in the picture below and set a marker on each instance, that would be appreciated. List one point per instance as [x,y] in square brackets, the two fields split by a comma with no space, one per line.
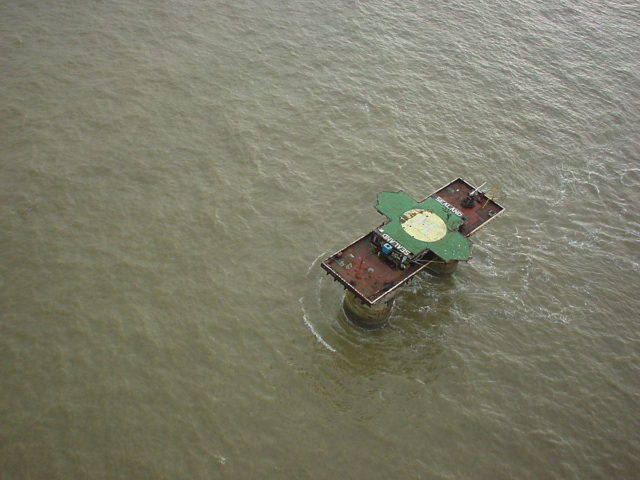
[395,244]
[442,201]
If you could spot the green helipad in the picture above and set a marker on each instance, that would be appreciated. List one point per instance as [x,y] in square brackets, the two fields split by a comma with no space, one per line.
[420,226]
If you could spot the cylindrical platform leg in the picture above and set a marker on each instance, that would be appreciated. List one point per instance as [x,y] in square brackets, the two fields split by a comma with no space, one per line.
[442,269]
[365,316]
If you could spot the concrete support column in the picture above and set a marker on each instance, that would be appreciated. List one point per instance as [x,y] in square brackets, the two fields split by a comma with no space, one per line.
[365,316]
[442,269]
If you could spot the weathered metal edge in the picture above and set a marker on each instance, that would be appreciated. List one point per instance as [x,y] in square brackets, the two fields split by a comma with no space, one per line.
[334,273]
[472,232]
[405,280]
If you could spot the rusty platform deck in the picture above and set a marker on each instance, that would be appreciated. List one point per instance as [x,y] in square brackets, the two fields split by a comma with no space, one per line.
[360,269]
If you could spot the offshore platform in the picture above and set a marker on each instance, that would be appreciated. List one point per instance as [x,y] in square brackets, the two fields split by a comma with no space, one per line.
[430,235]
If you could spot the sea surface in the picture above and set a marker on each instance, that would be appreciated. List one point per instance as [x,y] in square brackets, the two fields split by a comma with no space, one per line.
[172,173]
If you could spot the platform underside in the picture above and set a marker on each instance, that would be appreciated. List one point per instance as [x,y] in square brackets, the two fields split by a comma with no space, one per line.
[360,269]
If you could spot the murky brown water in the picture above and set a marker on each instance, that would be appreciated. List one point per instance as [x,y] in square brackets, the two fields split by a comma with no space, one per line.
[172,174]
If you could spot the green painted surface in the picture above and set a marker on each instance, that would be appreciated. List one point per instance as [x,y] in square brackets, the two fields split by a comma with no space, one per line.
[453,246]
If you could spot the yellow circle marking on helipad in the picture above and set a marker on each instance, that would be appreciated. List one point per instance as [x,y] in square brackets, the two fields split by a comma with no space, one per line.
[423,225]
